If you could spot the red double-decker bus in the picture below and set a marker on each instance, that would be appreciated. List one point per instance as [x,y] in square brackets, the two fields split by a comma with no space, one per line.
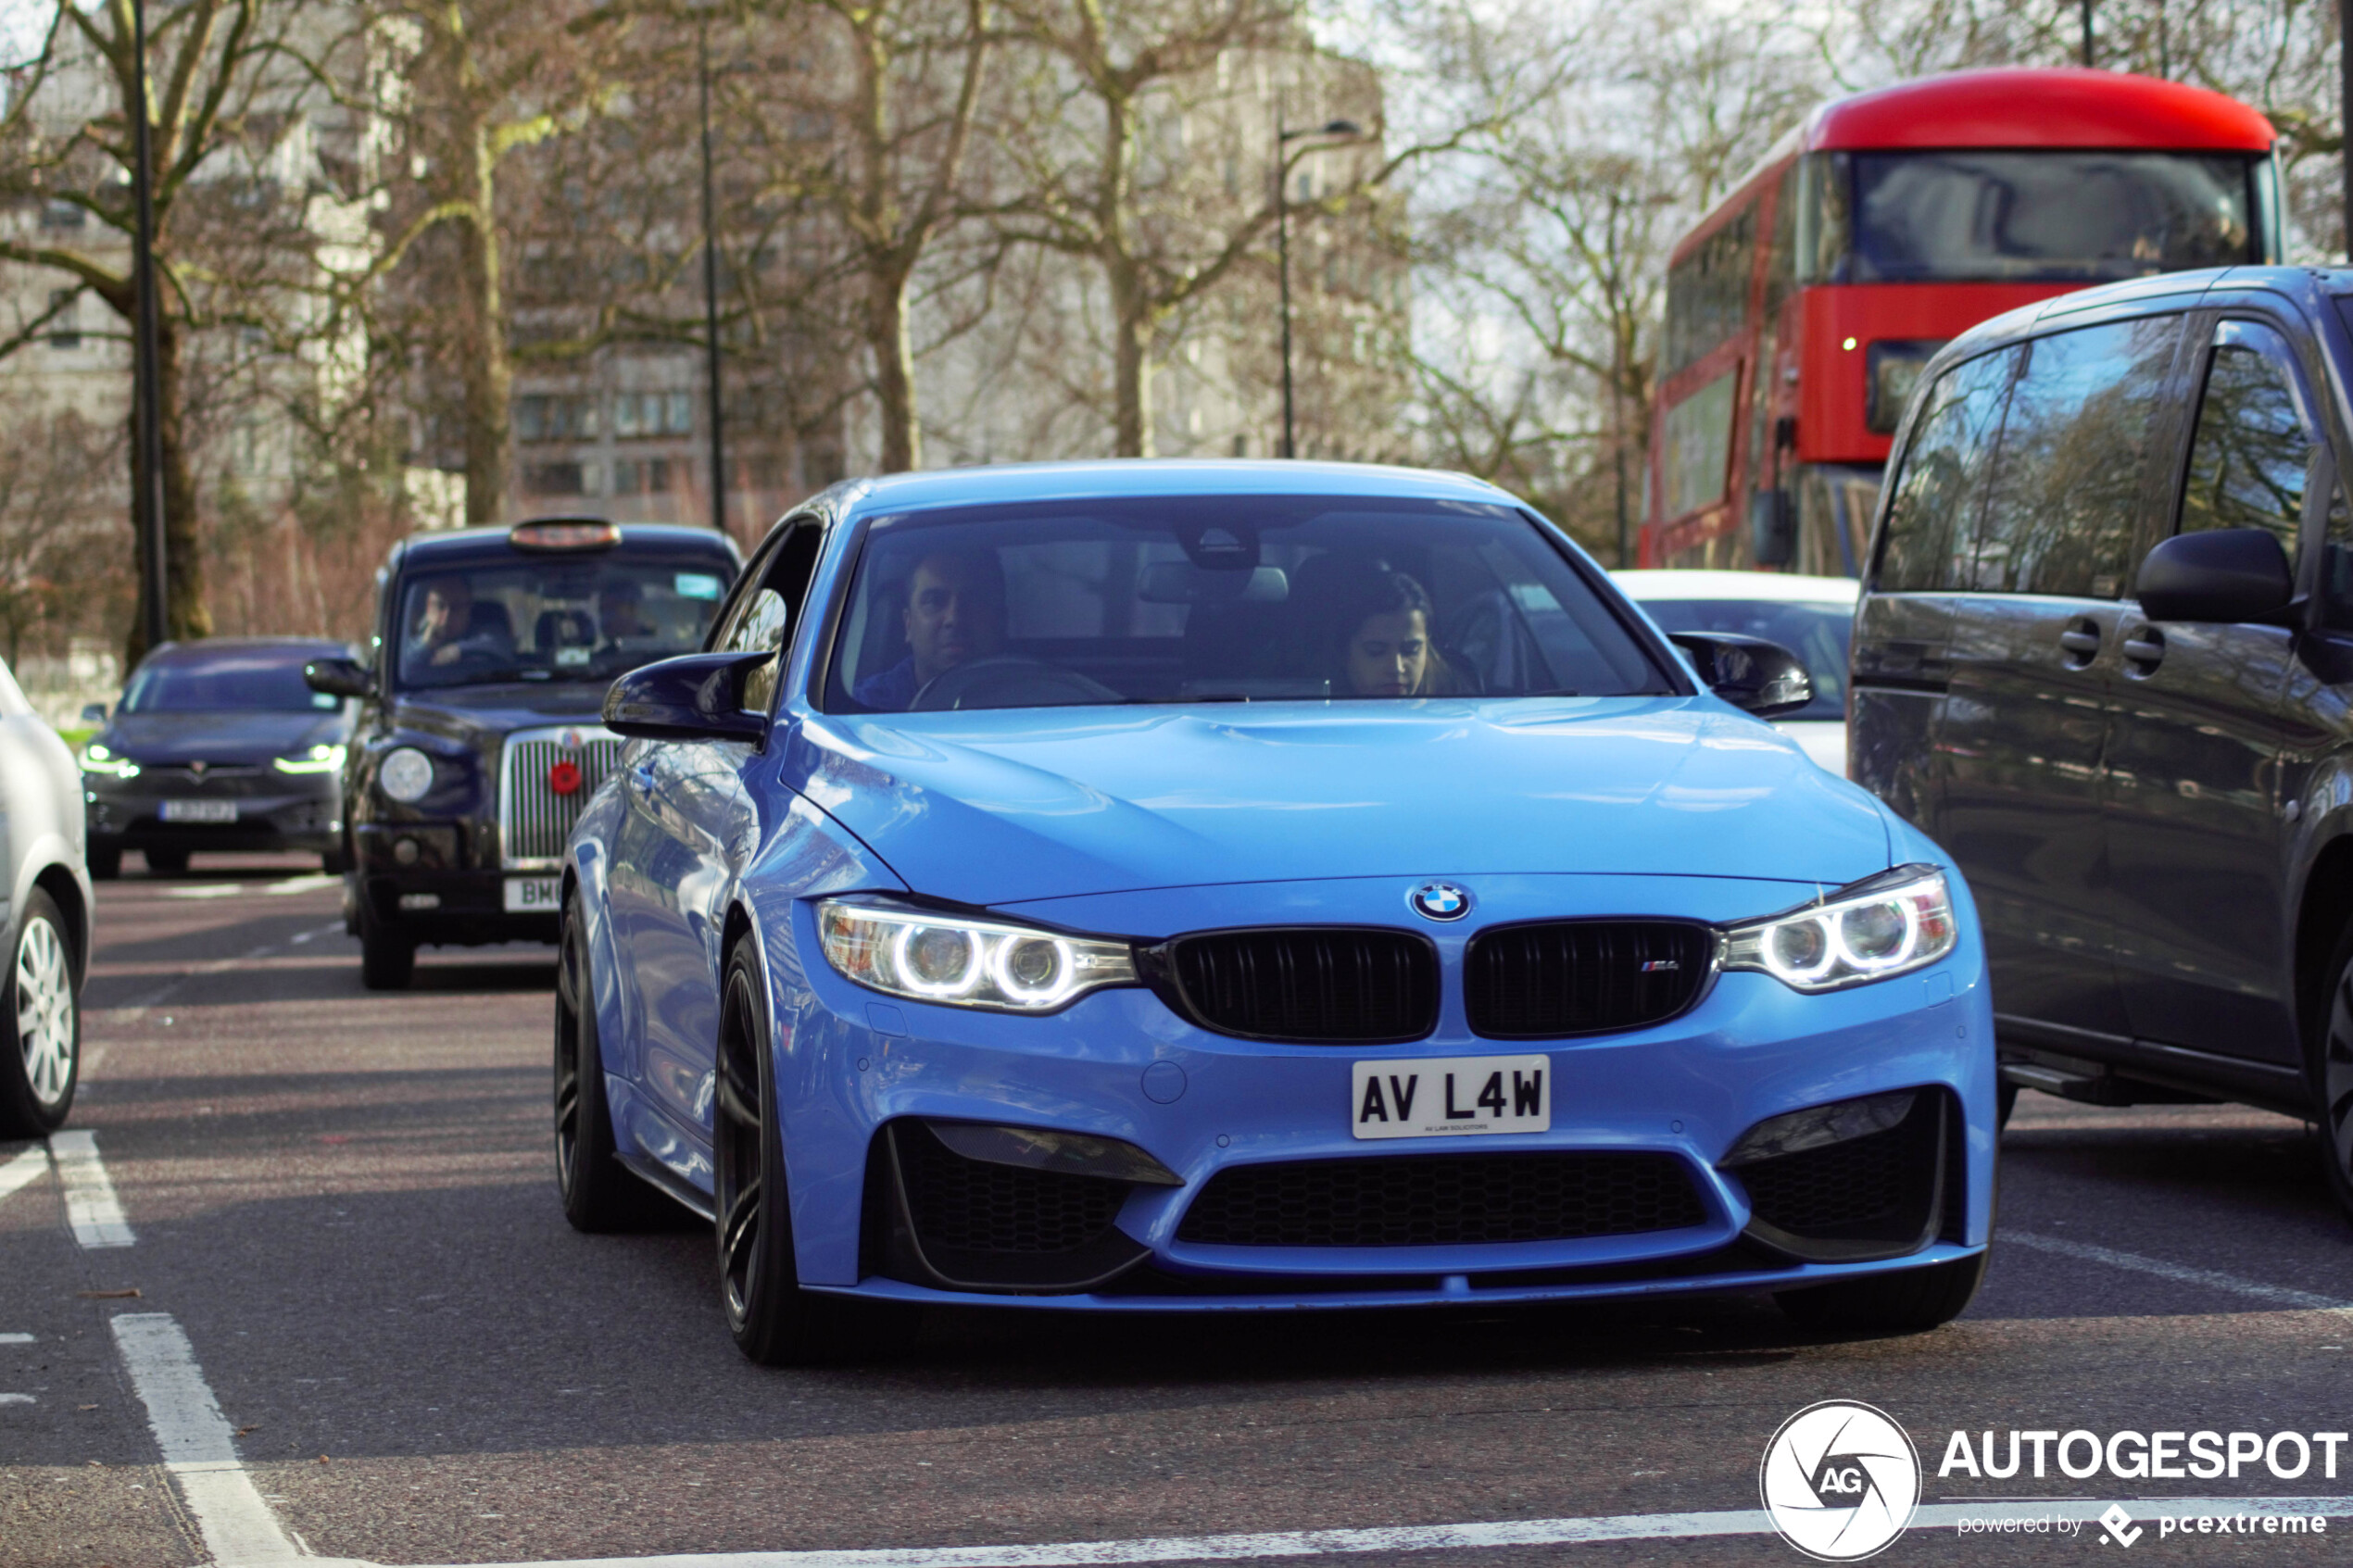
[1800,310]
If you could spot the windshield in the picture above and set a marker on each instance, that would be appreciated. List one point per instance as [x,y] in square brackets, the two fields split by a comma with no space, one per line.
[267,683]
[1818,634]
[2052,216]
[581,619]
[1222,598]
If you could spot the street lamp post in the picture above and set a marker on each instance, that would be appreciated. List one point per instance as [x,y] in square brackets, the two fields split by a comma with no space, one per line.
[1283,138]
[146,351]
[710,302]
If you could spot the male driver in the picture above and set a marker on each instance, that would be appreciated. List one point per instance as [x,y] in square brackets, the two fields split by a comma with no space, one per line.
[955,613]
[446,631]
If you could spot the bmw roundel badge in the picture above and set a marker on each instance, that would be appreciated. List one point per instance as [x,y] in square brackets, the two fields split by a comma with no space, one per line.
[1440,901]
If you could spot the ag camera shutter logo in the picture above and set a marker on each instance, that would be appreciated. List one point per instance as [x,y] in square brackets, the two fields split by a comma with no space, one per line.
[1840,1480]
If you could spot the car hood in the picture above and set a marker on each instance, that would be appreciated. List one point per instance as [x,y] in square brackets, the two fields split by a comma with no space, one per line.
[463,713]
[993,807]
[161,739]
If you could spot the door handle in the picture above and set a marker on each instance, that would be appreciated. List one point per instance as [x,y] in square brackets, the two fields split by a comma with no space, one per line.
[2080,642]
[2143,651]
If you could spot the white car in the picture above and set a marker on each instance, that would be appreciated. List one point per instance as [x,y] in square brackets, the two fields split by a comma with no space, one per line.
[46,921]
[1812,617]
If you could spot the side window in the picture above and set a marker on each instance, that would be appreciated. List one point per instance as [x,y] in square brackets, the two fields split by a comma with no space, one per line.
[772,610]
[2067,483]
[2252,455]
[1931,532]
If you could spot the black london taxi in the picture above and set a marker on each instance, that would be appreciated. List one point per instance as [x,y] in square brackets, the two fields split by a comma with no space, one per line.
[477,742]
[2104,656]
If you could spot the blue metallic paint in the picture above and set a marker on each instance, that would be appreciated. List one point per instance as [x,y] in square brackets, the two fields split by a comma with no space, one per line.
[1150,822]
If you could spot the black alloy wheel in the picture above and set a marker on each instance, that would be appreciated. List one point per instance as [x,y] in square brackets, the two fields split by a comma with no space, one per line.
[387,959]
[600,1195]
[1908,1301]
[2331,1064]
[773,1321]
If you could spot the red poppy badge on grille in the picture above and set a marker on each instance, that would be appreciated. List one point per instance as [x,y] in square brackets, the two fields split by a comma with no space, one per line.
[564,777]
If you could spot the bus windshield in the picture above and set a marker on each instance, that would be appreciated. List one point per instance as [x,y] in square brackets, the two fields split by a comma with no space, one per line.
[2056,216]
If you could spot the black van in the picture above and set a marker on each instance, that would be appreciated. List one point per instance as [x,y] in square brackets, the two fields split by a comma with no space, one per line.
[2105,656]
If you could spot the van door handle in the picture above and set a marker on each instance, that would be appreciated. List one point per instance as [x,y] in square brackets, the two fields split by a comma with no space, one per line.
[2144,652]
[2082,642]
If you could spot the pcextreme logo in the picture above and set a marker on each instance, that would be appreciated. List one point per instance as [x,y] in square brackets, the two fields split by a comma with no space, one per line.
[1840,1480]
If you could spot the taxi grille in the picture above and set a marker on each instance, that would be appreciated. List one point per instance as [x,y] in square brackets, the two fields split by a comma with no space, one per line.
[1345,985]
[1583,977]
[1443,1200]
[534,820]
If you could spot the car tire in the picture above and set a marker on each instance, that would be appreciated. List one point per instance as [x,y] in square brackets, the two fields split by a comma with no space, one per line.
[333,863]
[167,862]
[1910,1302]
[2004,1103]
[773,1321]
[600,1195]
[40,1026]
[2329,1059]
[105,861]
[387,959]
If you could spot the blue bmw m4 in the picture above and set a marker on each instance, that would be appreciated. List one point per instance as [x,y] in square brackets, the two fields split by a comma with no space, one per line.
[1213,886]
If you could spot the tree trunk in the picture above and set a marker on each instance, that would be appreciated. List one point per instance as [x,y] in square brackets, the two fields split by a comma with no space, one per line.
[488,375]
[185,615]
[1132,327]
[890,338]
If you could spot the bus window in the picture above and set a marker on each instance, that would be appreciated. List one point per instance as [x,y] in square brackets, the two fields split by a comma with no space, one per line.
[1707,290]
[2067,485]
[2053,216]
[1932,521]
[1699,441]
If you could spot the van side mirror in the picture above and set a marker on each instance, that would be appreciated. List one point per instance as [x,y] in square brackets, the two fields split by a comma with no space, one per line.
[1772,528]
[339,677]
[1757,677]
[2220,574]
[695,696]
[94,713]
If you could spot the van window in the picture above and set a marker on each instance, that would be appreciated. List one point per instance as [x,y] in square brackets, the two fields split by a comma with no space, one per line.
[1931,533]
[2253,450]
[2059,515]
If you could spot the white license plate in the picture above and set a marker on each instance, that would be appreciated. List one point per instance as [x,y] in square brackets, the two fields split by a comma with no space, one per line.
[1451,1096]
[199,812]
[530,895]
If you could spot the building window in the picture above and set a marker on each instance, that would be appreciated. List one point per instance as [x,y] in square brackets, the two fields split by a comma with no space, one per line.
[641,476]
[561,479]
[58,214]
[548,417]
[653,413]
[65,326]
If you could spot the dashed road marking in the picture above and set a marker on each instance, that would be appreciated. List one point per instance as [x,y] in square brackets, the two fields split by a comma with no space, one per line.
[310,884]
[92,1207]
[21,1171]
[206,890]
[16,1339]
[2212,1279]
[15,1400]
[199,1450]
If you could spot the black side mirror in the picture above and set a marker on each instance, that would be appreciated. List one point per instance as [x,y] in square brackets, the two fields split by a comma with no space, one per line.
[94,713]
[2221,574]
[339,677]
[1772,527]
[1752,674]
[696,697]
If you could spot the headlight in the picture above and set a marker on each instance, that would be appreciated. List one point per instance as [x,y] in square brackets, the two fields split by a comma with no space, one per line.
[1885,925]
[961,962]
[326,759]
[98,759]
[405,774]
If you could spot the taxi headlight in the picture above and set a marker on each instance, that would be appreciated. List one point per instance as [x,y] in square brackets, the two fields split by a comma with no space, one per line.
[318,760]
[405,774]
[1886,925]
[957,962]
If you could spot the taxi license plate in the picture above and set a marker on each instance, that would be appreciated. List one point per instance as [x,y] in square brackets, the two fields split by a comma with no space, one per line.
[530,895]
[1451,1095]
[199,812]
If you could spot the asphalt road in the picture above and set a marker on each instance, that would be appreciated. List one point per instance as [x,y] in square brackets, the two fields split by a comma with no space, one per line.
[344,1201]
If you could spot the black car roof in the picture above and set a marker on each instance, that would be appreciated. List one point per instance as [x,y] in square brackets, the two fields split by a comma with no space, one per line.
[473,546]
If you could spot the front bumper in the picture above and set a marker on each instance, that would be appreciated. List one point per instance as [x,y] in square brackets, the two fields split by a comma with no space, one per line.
[434,890]
[852,1065]
[298,813]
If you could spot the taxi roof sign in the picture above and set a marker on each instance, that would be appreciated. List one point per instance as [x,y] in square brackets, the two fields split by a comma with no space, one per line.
[564,533]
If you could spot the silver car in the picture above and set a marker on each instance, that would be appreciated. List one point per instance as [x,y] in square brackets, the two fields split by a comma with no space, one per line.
[1812,617]
[46,920]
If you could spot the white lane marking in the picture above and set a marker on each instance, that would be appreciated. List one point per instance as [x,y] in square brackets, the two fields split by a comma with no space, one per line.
[20,1170]
[92,1207]
[16,1338]
[1427,1538]
[199,1450]
[15,1400]
[310,884]
[210,890]
[2213,1279]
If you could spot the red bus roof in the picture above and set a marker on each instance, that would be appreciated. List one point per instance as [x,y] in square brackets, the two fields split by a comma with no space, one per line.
[2013,107]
